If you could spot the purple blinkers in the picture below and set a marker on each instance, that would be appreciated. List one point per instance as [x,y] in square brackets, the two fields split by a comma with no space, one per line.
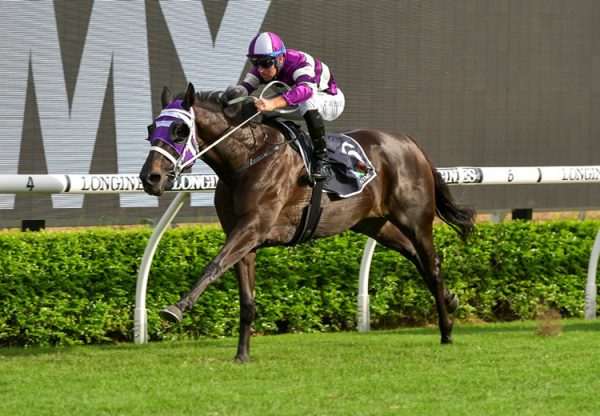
[165,127]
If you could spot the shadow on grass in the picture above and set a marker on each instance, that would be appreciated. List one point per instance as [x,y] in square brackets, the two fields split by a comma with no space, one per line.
[77,349]
[33,351]
[568,325]
[582,326]
[460,329]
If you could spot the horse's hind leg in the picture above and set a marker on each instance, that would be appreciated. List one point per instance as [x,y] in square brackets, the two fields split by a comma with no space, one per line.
[388,235]
[246,273]
[418,228]
[422,238]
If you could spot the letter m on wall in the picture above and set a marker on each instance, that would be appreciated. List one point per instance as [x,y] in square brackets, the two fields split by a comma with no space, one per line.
[116,41]
[115,44]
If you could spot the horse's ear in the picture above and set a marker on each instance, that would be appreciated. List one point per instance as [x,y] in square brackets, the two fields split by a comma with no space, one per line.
[166,98]
[190,96]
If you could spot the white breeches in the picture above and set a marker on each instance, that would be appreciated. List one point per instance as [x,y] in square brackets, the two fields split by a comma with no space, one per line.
[329,106]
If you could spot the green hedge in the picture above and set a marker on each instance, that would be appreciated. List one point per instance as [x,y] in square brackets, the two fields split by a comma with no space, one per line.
[64,288]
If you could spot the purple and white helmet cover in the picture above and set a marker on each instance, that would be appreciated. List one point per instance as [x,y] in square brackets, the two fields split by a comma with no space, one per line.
[266,44]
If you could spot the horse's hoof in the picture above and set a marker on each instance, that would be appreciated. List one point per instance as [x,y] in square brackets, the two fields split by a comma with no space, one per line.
[171,314]
[241,359]
[446,340]
[452,304]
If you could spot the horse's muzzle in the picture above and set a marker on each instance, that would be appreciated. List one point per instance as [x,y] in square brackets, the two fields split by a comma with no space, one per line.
[153,183]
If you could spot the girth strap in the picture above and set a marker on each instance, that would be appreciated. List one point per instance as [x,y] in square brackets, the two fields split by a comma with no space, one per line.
[310,216]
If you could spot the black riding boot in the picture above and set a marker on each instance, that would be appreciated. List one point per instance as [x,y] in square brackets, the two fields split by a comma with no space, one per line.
[316,128]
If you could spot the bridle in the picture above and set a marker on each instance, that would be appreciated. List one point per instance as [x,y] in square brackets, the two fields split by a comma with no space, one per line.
[191,144]
[191,152]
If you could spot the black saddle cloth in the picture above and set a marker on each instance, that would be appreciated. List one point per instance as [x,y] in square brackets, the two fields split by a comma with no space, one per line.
[352,169]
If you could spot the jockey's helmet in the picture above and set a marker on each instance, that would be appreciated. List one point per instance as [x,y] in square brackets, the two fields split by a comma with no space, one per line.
[264,45]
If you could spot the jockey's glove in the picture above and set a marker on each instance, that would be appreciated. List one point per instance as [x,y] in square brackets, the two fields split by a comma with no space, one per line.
[232,93]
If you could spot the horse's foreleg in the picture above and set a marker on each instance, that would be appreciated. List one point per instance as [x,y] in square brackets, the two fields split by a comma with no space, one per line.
[240,241]
[246,272]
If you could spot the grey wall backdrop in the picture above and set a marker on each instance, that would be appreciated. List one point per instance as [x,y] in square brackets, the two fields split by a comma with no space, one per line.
[476,82]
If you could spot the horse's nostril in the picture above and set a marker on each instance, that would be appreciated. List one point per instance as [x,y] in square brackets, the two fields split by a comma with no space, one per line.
[153,178]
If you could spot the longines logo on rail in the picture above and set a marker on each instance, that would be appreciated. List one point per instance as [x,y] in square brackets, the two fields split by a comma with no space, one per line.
[461,175]
[581,174]
[131,183]
[111,183]
[195,182]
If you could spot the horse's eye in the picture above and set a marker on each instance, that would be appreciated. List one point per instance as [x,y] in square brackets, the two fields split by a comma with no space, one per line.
[179,132]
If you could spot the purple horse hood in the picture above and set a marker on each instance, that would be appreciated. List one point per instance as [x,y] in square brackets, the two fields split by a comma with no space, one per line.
[162,131]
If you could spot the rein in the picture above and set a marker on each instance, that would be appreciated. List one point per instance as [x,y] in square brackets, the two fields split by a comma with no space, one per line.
[191,145]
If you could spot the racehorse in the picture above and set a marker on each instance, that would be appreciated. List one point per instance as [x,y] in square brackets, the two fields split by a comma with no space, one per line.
[260,204]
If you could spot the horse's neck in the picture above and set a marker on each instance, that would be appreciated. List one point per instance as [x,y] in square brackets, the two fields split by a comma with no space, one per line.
[233,152]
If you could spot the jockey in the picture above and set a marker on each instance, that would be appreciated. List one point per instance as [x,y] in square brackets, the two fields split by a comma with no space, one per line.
[314,90]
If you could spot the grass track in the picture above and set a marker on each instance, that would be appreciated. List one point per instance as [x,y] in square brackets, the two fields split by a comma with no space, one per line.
[491,369]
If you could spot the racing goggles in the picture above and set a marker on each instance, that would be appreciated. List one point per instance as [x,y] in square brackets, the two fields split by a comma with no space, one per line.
[263,62]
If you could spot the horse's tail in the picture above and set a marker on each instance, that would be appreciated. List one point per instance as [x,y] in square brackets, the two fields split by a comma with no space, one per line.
[460,217]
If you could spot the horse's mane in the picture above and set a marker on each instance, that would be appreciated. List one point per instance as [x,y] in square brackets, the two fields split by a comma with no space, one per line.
[211,100]
[236,113]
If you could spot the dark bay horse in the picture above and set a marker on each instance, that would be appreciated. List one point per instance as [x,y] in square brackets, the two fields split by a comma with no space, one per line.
[261,205]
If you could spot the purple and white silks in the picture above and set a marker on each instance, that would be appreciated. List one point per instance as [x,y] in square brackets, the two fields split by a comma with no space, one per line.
[302,72]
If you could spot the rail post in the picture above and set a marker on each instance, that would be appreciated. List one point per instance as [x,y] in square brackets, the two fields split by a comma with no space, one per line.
[364,314]
[140,315]
[590,288]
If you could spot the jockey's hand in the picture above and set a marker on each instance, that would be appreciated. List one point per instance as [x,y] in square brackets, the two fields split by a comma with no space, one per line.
[232,93]
[270,104]
[264,104]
